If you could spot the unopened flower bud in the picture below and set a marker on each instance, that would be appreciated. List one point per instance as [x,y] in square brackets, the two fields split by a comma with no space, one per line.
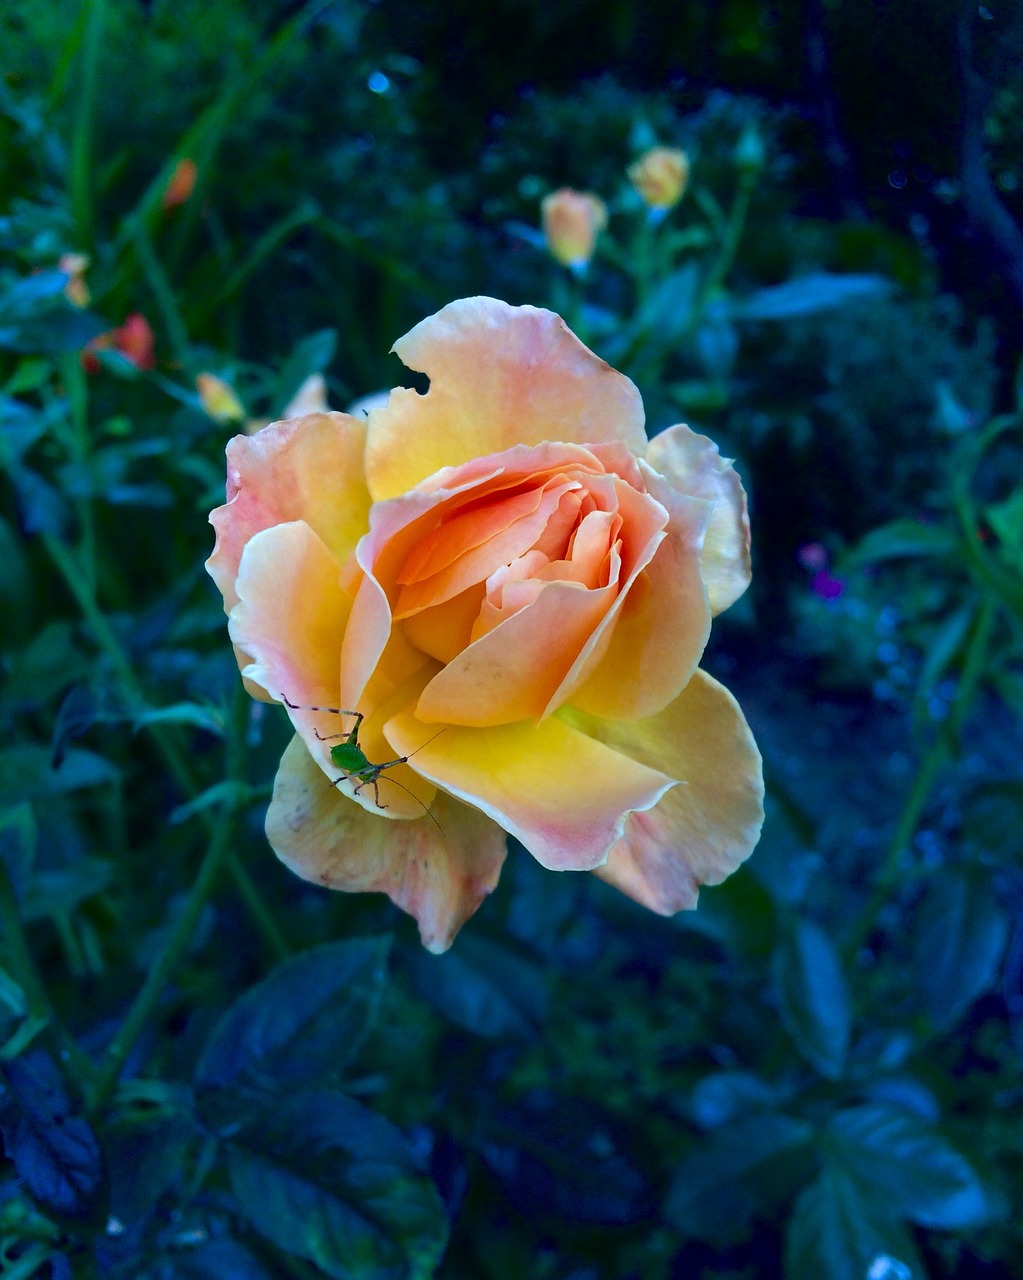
[74,266]
[181,184]
[219,399]
[749,150]
[660,176]
[572,221]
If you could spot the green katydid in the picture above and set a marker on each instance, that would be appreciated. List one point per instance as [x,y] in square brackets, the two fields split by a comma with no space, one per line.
[349,756]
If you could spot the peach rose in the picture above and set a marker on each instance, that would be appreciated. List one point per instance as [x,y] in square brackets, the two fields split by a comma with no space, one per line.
[508,581]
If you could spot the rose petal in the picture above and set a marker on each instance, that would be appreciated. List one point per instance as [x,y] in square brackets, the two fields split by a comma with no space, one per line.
[291,614]
[692,464]
[700,831]
[438,876]
[499,376]
[663,624]
[477,563]
[513,671]
[561,793]
[291,617]
[307,469]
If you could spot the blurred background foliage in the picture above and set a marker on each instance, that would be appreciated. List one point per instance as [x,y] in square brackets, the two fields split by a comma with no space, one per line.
[228,1073]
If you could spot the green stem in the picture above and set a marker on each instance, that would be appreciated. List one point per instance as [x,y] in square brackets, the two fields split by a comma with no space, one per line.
[107,640]
[940,753]
[19,957]
[29,1263]
[181,935]
[81,142]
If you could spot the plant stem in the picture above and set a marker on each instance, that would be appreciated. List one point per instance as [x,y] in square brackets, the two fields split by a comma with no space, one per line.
[19,957]
[107,640]
[81,143]
[177,944]
[940,753]
[29,1263]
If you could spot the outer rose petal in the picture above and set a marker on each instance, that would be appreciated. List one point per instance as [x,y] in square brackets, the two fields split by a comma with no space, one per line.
[560,792]
[499,376]
[692,464]
[702,830]
[291,614]
[309,469]
[439,879]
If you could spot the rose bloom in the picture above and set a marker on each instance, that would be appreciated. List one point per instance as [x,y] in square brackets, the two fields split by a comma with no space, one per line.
[660,176]
[133,339]
[572,221]
[514,588]
[181,183]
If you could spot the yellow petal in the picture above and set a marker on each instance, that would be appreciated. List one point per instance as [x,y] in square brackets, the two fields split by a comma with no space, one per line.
[438,877]
[562,794]
[291,615]
[513,671]
[499,376]
[700,831]
[692,464]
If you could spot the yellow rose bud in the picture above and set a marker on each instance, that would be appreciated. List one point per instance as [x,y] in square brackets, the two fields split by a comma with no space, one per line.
[660,176]
[219,399]
[74,266]
[571,222]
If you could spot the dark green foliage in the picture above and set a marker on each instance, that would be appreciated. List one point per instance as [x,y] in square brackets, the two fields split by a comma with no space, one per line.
[816,1075]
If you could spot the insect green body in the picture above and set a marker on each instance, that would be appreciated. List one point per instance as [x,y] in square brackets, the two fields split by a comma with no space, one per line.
[352,760]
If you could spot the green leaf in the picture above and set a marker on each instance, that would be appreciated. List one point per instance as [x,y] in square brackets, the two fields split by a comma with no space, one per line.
[562,1158]
[840,1232]
[325,1179]
[302,1024]
[53,1150]
[901,539]
[229,792]
[919,1174]
[814,997]
[993,820]
[1006,519]
[723,1096]
[196,714]
[25,772]
[944,648]
[311,355]
[960,938]
[61,888]
[18,839]
[736,1172]
[484,987]
[218,1259]
[808,295]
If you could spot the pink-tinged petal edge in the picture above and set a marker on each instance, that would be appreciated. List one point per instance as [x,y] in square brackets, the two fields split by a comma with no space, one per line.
[499,376]
[692,464]
[439,877]
[702,830]
[308,468]
[562,794]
